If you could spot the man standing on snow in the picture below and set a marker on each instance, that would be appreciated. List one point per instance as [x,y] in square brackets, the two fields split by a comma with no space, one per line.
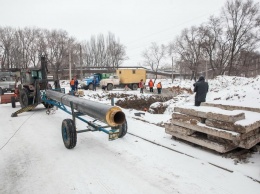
[141,86]
[201,88]
[94,84]
[159,87]
[76,83]
[151,84]
[72,86]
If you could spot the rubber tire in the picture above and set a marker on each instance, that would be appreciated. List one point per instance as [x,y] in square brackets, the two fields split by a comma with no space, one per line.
[134,87]
[90,86]
[109,87]
[69,133]
[13,102]
[122,130]
[24,98]
[1,92]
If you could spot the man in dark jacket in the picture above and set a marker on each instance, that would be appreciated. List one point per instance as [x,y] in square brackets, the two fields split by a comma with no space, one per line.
[201,88]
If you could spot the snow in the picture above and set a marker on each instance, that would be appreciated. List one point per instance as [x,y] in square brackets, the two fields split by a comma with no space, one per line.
[33,158]
[213,110]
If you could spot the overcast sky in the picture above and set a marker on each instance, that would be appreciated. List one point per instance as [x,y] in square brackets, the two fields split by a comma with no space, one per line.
[136,23]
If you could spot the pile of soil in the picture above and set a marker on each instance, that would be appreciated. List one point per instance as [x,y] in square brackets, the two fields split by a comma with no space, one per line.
[143,103]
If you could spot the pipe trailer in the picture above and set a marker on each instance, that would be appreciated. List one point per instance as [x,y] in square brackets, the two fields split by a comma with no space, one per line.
[115,124]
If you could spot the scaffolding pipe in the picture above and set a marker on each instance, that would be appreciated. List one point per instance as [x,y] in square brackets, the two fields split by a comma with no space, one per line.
[112,115]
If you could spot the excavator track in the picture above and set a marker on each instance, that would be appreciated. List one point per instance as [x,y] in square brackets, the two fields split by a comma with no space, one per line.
[25,109]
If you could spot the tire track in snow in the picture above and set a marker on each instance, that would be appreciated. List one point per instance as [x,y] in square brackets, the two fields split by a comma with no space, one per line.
[179,152]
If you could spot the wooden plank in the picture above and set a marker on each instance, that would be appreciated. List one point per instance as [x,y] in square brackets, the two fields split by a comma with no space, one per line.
[219,147]
[211,113]
[233,136]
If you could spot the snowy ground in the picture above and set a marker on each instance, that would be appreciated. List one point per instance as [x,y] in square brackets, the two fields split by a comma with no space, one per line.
[33,158]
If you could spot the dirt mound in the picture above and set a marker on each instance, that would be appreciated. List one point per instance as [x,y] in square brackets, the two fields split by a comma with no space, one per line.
[143,103]
[177,90]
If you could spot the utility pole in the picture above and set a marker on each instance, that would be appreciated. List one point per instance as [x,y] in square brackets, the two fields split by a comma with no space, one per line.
[80,56]
[70,64]
[206,71]
[172,69]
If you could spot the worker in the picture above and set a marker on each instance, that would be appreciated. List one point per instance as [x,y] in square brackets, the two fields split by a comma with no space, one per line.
[94,84]
[201,88]
[151,84]
[141,86]
[76,83]
[159,87]
[72,86]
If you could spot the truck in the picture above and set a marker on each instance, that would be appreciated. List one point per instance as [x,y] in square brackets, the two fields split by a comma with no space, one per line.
[125,77]
[7,84]
[87,83]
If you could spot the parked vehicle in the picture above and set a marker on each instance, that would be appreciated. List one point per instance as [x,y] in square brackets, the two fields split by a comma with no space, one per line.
[123,78]
[87,83]
[7,84]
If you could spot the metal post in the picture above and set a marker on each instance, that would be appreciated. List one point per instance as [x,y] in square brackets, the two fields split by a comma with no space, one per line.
[172,69]
[112,102]
[81,71]
[206,71]
[70,64]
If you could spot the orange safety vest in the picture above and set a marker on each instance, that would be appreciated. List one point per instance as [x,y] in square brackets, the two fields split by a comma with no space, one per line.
[159,85]
[151,84]
[72,82]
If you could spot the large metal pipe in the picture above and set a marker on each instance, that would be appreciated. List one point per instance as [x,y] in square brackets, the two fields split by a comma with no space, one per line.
[112,115]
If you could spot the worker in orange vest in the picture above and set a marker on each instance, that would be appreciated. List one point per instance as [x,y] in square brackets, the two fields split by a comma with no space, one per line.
[151,84]
[72,86]
[159,88]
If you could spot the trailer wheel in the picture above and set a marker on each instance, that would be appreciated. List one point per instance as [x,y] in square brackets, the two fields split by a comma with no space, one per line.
[90,86]
[69,134]
[134,86]
[13,102]
[109,86]
[122,130]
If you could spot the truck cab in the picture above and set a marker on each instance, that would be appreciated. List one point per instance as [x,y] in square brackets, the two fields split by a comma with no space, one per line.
[88,82]
[7,84]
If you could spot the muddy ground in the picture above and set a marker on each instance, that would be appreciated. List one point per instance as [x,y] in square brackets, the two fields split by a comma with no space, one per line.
[143,103]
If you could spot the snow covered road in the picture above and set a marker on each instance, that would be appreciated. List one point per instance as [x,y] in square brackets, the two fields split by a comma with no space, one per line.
[33,160]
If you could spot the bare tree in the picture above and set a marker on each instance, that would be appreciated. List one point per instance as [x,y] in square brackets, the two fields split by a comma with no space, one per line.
[189,48]
[115,51]
[58,48]
[215,47]
[153,57]
[7,39]
[241,19]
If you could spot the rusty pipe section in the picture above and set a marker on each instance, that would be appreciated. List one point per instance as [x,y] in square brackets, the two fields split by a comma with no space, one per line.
[112,115]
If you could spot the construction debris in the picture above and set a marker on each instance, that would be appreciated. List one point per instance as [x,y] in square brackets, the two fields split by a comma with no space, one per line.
[218,127]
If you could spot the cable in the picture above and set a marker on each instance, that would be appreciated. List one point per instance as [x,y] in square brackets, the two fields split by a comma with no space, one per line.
[16,131]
